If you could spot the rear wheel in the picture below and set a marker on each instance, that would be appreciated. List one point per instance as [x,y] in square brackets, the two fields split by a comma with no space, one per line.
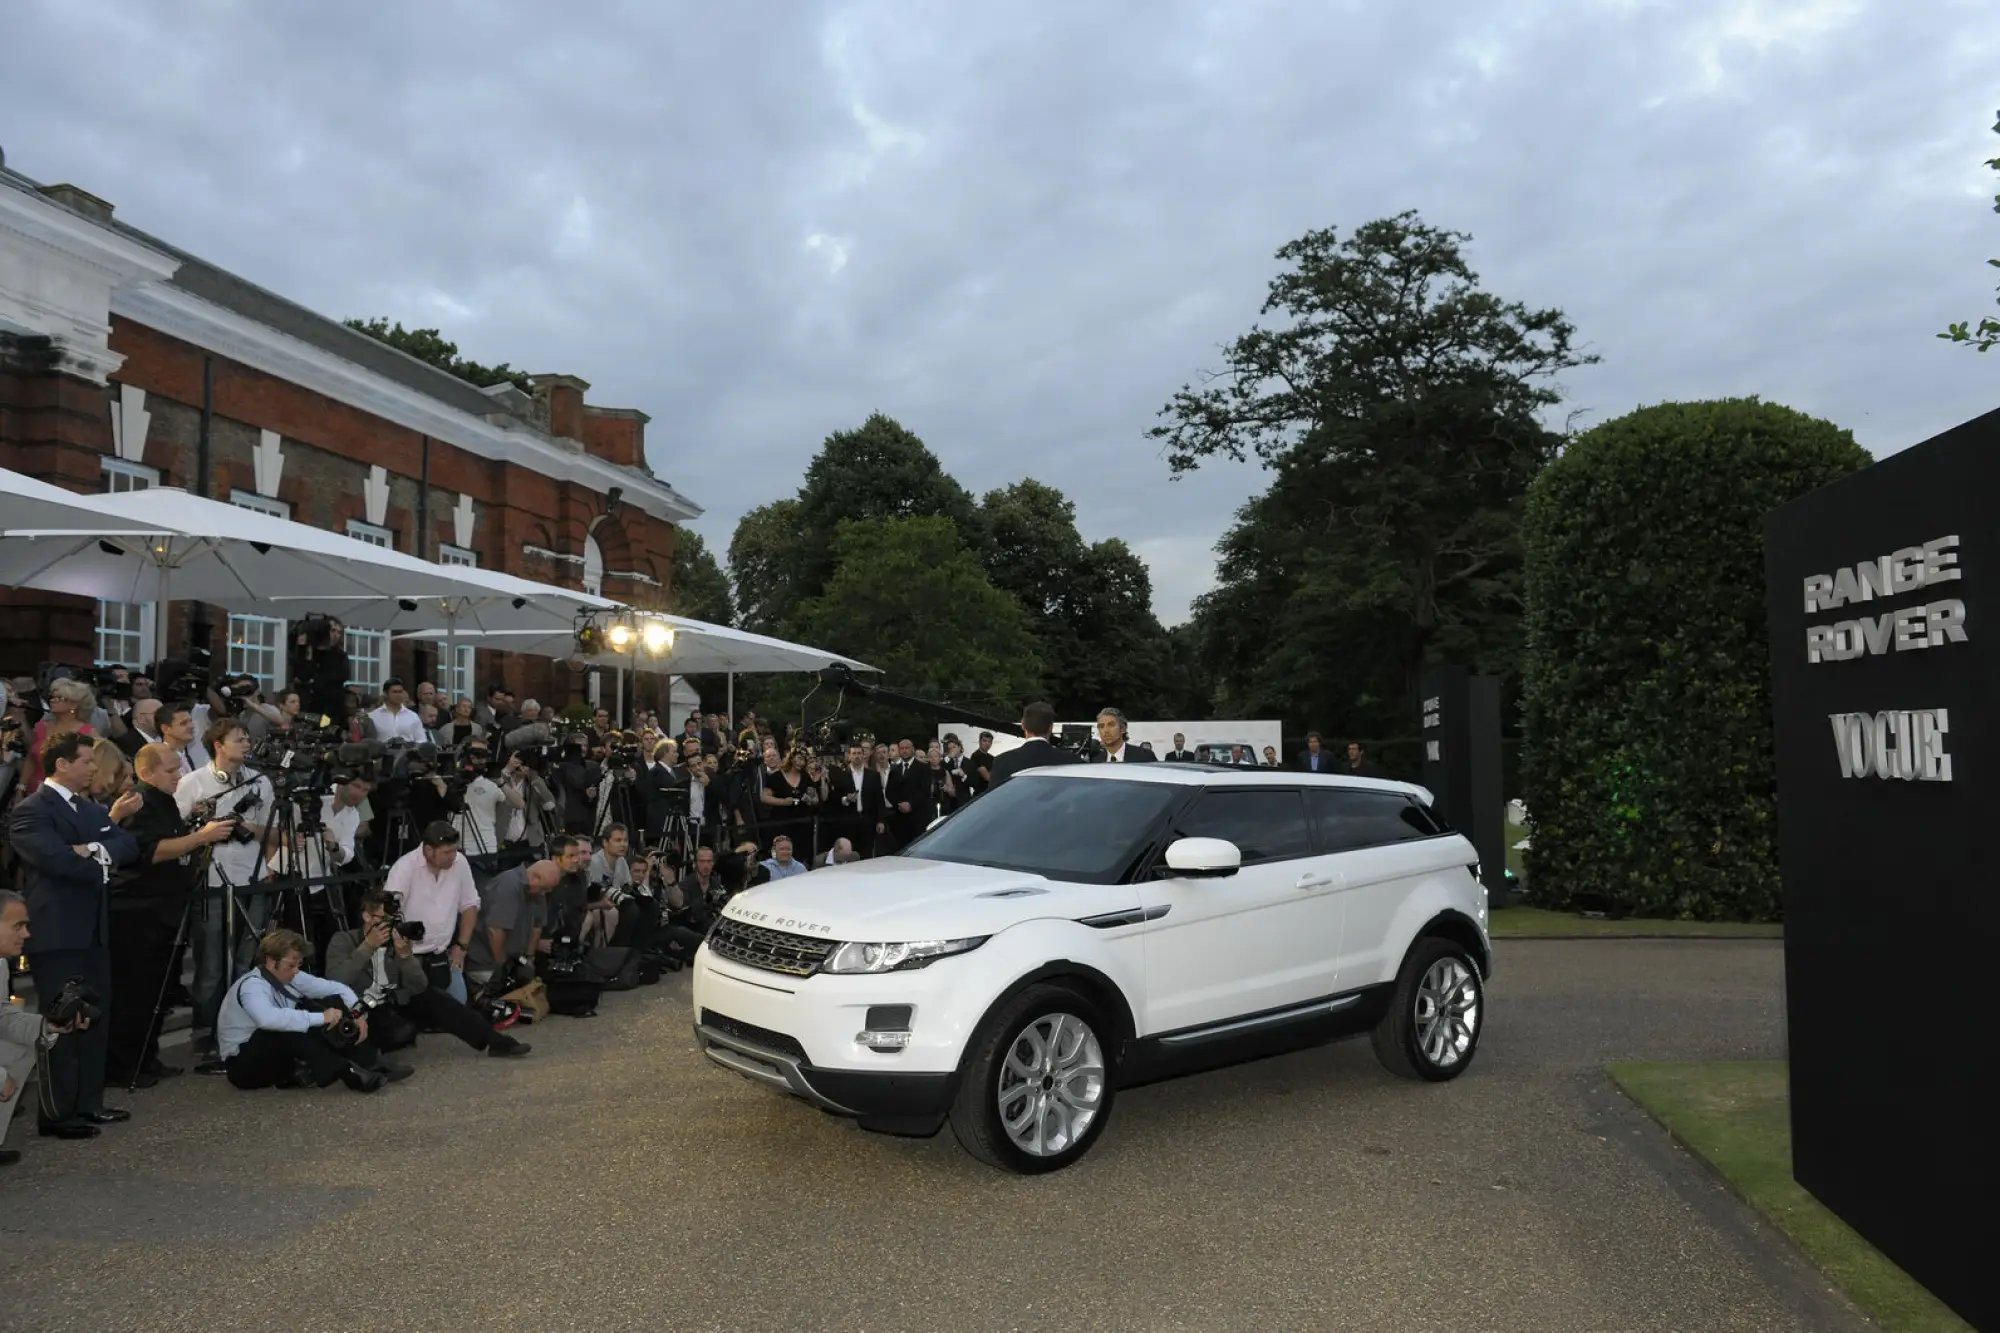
[1037,1087]
[1435,1015]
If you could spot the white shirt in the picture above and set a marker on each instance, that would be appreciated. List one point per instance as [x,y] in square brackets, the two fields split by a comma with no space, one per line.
[477,827]
[241,861]
[401,725]
[343,823]
[434,899]
[1116,756]
[60,790]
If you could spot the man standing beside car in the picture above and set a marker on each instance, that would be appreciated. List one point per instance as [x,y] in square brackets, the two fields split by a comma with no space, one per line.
[1038,724]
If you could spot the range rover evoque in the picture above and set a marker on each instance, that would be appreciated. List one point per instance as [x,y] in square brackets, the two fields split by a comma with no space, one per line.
[1082,929]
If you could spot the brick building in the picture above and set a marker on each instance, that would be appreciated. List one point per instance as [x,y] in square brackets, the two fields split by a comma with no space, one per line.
[124,362]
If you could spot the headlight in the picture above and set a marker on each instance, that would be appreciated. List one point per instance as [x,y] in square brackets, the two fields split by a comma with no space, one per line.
[868,958]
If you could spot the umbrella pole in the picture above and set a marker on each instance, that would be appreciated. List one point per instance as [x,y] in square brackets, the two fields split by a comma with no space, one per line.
[163,611]
[729,721]
[450,644]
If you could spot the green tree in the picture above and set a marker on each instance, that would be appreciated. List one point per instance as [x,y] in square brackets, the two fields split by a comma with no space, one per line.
[877,471]
[1649,770]
[429,345]
[1090,606]
[766,566]
[1987,335]
[908,597]
[701,589]
[1398,405]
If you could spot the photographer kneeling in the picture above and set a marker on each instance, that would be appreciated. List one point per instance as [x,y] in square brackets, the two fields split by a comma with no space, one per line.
[379,962]
[277,1019]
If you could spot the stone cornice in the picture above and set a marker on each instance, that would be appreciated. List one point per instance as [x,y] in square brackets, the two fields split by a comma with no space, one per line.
[80,240]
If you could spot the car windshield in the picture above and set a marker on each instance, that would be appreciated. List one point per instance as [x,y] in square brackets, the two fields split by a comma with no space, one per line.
[1084,831]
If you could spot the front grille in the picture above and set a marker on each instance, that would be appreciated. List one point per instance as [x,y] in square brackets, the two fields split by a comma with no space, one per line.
[771,950]
[756,1036]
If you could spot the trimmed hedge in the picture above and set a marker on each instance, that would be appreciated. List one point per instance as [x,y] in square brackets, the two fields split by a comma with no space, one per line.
[1648,770]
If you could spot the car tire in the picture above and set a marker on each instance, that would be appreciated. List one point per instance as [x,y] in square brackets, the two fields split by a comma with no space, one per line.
[1435,1015]
[1037,1086]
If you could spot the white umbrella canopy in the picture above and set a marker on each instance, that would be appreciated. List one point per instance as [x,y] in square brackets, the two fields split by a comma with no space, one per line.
[192,549]
[699,649]
[28,503]
[493,602]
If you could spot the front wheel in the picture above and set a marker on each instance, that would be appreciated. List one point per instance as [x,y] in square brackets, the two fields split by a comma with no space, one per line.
[1037,1088]
[1435,1015]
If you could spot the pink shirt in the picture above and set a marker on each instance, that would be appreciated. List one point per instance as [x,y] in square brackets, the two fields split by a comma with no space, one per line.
[434,899]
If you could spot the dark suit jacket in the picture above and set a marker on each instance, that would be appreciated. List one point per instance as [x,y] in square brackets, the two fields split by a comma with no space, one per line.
[1180,757]
[654,784]
[67,903]
[1133,755]
[1327,763]
[841,781]
[1032,753]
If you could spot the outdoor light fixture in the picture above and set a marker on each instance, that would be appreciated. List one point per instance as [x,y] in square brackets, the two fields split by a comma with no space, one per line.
[623,632]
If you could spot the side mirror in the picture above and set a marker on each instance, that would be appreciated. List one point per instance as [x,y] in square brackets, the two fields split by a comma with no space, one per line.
[1203,858]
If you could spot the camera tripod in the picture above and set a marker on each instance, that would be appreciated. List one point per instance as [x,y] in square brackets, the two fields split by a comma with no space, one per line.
[614,802]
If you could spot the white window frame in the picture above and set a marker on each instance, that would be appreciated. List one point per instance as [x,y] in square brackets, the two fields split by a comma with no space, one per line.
[593,566]
[457,555]
[122,477]
[247,634]
[367,669]
[373,534]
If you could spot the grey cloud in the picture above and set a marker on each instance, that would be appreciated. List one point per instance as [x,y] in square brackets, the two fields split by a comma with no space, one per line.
[1035,221]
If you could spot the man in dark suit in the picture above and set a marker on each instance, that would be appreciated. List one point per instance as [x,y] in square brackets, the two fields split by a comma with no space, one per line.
[1038,724]
[903,794]
[69,846]
[657,781]
[979,767]
[1111,730]
[1180,754]
[1313,759]
[857,798]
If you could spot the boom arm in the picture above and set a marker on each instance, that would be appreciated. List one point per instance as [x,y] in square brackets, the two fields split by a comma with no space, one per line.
[843,679]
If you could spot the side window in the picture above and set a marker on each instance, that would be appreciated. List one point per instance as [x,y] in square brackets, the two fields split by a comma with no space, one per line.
[1347,820]
[1264,825]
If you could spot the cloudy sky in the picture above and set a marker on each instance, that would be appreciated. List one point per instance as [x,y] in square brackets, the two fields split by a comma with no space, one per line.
[1017,227]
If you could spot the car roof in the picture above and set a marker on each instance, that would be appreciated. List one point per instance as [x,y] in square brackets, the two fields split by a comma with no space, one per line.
[1217,775]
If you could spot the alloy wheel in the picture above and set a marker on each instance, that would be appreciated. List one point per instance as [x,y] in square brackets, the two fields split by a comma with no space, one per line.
[1051,1085]
[1447,1012]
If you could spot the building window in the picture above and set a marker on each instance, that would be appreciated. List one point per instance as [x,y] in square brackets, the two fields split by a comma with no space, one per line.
[257,648]
[457,682]
[457,555]
[257,643]
[368,532]
[593,567]
[367,661]
[125,629]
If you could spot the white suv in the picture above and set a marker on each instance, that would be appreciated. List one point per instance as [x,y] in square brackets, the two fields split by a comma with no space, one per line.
[1084,928]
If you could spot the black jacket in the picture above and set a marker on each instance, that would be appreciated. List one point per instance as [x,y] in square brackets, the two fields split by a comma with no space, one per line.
[1133,755]
[869,809]
[1035,752]
[1180,757]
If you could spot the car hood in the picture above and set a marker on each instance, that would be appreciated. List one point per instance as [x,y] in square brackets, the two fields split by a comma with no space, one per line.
[895,899]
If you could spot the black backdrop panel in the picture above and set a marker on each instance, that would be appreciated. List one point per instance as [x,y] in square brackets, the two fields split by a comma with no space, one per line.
[1892,958]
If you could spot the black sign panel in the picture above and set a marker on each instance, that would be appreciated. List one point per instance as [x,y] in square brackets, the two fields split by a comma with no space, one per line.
[1884,600]
[1462,764]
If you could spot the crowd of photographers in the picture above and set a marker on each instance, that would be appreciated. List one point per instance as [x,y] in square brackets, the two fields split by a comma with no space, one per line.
[349,873]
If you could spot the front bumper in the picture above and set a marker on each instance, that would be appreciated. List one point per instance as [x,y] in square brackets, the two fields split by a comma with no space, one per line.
[885,1101]
[797,1035]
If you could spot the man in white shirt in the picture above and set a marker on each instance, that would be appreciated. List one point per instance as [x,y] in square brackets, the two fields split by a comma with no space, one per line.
[323,857]
[222,789]
[485,800]
[434,885]
[395,720]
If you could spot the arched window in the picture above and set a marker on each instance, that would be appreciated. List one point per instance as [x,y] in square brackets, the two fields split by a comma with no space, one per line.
[593,566]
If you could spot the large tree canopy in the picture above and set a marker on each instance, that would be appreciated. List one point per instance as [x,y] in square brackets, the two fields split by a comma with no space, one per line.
[431,346]
[1986,335]
[1398,405]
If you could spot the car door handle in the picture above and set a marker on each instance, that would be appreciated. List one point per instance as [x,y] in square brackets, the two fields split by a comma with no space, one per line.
[1313,881]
